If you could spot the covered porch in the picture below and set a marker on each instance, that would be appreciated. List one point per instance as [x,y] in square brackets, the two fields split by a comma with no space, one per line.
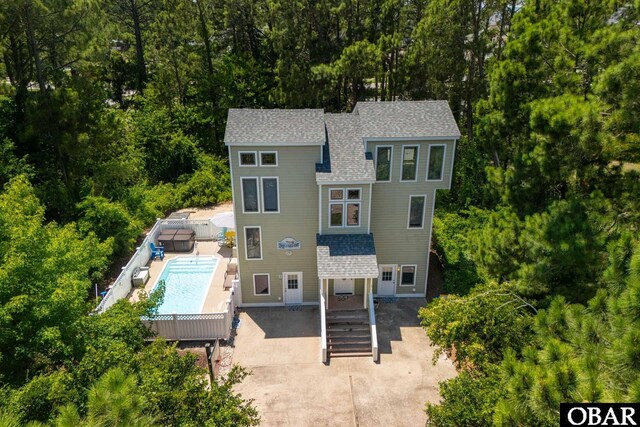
[347,265]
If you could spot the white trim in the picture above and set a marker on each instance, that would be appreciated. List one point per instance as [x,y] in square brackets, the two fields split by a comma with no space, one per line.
[257,179]
[408,295]
[345,183]
[321,154]
[444,157]
[346,194]
[341,203]
[284,286]
[426,274]
[412,138]
[369,213]
[375,163]
[453,159]
[352,276]
[415,273]
[275,304]
[253,283]
[262,178]
[235,213]
[319,208]
[244,236]
[268,152]
[255,156]
[424,208]
[337,189]
[417,146]
[346,210]
[276,144]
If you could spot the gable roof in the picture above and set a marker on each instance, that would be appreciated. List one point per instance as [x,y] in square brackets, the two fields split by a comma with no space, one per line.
[275,127]
[344,158]
[407,119]
[346,255]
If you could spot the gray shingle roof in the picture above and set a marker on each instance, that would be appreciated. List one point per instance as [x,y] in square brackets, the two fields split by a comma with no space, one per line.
[344,156]
[255,127]
[406,119]
[346,255]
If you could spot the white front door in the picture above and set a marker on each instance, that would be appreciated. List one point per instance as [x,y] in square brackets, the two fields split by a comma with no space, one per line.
[292,283]
[387,280]
[343,286]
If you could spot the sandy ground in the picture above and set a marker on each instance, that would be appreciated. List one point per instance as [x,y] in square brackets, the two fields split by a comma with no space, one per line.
[291,386]
[209,211]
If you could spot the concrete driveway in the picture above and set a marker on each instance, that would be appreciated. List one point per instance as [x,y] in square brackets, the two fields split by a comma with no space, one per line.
[292,387]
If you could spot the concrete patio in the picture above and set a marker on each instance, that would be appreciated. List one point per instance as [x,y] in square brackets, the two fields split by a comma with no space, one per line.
[292,387]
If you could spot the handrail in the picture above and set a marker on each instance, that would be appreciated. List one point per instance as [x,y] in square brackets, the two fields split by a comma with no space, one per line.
[374,331]
[323,327]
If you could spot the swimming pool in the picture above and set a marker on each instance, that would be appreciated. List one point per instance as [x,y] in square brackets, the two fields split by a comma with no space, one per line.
[187,280]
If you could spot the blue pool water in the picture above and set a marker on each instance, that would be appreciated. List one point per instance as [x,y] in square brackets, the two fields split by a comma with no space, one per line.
[187,280]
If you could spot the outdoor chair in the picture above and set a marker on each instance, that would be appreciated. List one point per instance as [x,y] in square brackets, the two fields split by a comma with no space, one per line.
[156,251]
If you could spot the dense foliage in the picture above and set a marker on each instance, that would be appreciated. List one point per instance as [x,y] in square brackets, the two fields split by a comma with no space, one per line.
[112,113]
[542,258]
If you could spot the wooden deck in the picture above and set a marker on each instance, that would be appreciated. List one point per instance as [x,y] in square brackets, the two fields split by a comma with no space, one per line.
[346,302]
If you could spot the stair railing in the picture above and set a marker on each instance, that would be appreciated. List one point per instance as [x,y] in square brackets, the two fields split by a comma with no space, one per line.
[374,331]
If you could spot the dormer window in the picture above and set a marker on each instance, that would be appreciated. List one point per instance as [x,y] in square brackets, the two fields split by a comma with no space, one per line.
[384,154]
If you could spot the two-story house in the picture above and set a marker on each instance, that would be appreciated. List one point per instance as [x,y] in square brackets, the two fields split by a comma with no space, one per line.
[338,203]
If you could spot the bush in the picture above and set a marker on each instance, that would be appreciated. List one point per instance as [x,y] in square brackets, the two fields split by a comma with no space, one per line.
[109,220]
[210,184]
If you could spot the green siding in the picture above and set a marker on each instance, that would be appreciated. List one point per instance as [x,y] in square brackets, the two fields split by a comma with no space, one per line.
[395,243]
[298,218]
[364,210]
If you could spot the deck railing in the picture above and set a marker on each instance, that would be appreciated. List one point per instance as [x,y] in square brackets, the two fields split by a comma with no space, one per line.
[323,325]
[204,229]
[374,330]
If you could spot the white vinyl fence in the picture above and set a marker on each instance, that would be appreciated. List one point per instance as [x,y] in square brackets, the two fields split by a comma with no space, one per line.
[194,327]
[204,229]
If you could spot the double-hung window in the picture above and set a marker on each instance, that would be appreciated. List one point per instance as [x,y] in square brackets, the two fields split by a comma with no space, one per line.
[261,284]
[407,275]
[384,154]
[409,163]
[250,195]
[435,162]
[344,207]
[253,242]
[416,211]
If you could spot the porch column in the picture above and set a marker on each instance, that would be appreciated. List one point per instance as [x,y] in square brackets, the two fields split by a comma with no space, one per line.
[366,293]
[326,293]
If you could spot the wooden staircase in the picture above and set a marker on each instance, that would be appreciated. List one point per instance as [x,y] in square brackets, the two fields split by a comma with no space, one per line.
[348,333]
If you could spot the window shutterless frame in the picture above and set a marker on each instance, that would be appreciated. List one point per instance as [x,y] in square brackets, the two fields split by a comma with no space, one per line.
[415,166]
[415,271]
[262,179]
[255,159]
[424,206]
[341,204]
[345,214]
[390,147]
[268,284]
[444,156]
[246,245]
[275,154]
[257,181]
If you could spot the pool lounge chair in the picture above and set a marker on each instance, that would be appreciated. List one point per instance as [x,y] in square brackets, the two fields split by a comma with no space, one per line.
[156,251]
